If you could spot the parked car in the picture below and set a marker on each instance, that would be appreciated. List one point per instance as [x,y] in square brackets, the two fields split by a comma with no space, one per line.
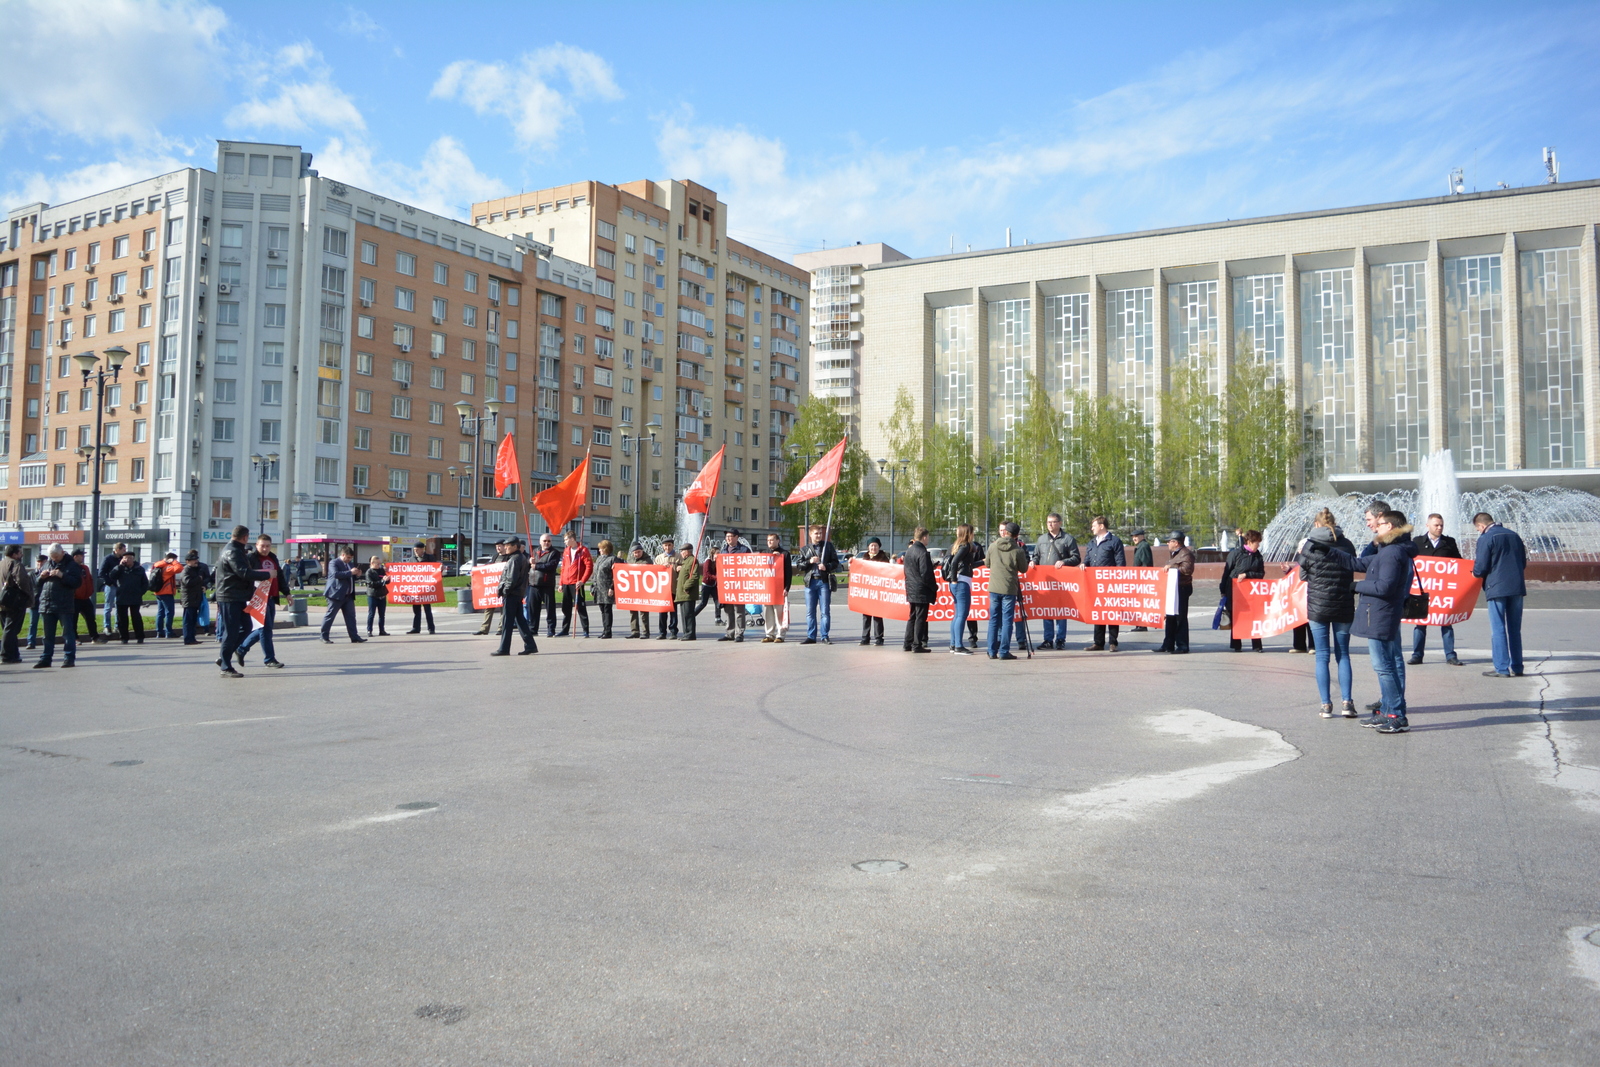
[481,561]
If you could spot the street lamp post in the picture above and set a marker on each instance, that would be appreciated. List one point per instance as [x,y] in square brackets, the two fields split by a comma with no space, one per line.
[809,457]
[265,465]
[892,468]
[623,429]
[978,471]
[461,495]
[86,362]
[473,423]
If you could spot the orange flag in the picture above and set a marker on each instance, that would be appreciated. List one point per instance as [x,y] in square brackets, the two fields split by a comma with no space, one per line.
[821,478]
[697,498]
[506,473]
[560,503]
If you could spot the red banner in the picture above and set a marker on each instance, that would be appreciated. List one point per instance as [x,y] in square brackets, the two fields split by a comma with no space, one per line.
[1114,596]
[416,583]
[749,578]
[486,586]
[642,586]
[820,478]
[1267,607]
[256,606]
[1452,590]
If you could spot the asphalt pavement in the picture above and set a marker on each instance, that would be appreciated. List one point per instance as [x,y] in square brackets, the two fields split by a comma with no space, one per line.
[407,852]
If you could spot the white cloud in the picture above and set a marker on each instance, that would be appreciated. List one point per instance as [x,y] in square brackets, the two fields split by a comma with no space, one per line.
[106,70]
[315,103]
[524,93]
[95,178]
[445,182]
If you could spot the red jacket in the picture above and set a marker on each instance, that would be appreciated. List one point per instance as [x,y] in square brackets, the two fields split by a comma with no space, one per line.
[162,576]
[86,586]
[576,565]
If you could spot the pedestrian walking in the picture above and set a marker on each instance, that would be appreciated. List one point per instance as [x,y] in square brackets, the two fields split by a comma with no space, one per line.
[513,588]
[17,596]
[921,590]
[1383,595]
[1327,568]
[638,621]
[1055,548]
[818,563]
[957,569]
[131,584]
[685,588]
[236,583]
[341,593]
[577,567]
[163,579]
[734,614]
[263,558]
[1180,557]
[1243,564]
[605,586]
[1105,550]
[1501,560]
[873,554]
[192,582]
[1435,542]
[546,567]
[58,589]
[501,555]
[107,574]
[775,617]
[377,582]
[668,620]
[1007,561]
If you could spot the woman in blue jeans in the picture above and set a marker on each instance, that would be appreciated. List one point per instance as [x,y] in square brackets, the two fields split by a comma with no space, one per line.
[1328,571]
[964,555]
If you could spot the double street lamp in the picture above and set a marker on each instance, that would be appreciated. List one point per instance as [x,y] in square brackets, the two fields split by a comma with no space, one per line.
[115,357]
[461,496]
[810,458]
[986,476]
[892,468]
[267,466]
[473,423]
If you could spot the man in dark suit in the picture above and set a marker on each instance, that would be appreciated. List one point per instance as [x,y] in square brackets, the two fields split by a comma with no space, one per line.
[1501,559]
[921,590]
[513,590]
[1435,543]
[341,594]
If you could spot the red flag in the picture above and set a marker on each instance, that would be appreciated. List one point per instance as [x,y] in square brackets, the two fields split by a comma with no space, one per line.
[820,479]
[697,498]
[560,503]
[506,473]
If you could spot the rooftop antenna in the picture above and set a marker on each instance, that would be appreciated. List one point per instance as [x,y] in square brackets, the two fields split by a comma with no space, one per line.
[1552,169]
[1457,181]
[1008,236]
[952,244]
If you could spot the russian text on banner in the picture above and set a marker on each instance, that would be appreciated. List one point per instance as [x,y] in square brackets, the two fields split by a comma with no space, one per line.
[876,589]
[642,586]
[1267,607]
[256,606]
[749,578]
[416,583]
[486,586]
[1452,590]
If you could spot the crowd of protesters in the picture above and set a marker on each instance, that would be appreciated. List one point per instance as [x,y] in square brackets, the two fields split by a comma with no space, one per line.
[1349,594]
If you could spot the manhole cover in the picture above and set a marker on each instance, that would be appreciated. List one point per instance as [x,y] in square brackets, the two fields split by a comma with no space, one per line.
[879,866]
[126,762]
[442,1013]
[416,805]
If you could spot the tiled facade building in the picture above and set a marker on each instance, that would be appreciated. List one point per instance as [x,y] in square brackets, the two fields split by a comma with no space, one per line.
[838,318]
[1466,322]
[698,342]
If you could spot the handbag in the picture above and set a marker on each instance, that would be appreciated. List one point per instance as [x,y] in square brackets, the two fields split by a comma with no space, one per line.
[1416,604]
[1222,609]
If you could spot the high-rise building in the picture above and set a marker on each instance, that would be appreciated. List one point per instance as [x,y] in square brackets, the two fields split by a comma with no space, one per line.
[298,348]
[838,316]
[695,337]
[1467,322]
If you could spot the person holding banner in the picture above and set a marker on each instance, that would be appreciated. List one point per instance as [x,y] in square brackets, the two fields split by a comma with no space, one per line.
[377,580]
[668,619]
[513,596]
[236,584]
[1327,568]
[732,544]
[420,554]
[921,590]
[577,567]
[1055,548]
[605,586]
[1435,543]
[264,559]
[875,554]
[1383,595]
[341,593]
[1501,560]
[546,566]
[964,556]
[1243,562]
[685,587]
[1105,550]
[638,621]
[1175,638]
[1008,562]
[775,617]
[819,562]
[490,613]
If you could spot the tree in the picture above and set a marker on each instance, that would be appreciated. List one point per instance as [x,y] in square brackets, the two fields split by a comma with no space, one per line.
[1264,438]
[907,439]
[937,490]
[654,519]
[817,428]
[1111,459]
[1035,460]
[1189,455]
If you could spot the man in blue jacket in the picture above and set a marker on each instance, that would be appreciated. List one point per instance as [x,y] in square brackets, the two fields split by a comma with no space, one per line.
[1501,559]
[1383,596]
[341,594]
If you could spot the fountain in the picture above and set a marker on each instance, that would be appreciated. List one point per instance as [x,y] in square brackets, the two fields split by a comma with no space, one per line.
[1556,524]
[687,529]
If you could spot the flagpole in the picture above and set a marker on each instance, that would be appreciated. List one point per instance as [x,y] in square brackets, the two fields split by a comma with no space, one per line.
[827,532]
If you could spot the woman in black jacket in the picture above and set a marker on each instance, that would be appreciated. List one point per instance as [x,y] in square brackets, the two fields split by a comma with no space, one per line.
[964,555]
[132,584]
[1243,562]
[377,595]
[1329,573]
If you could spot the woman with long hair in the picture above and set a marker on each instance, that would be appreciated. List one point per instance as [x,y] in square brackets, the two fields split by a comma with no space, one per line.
[1328,569]
[964,555]
[605,590]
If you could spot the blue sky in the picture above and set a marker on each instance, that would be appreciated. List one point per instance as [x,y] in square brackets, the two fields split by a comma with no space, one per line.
[908,123]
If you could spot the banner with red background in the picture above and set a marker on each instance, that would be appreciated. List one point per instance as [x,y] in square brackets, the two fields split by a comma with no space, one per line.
[749,578]
[416,583]
[1452,590]
[256,606]
[486,586]
[1117,596]
[1267,607]
[642,586]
